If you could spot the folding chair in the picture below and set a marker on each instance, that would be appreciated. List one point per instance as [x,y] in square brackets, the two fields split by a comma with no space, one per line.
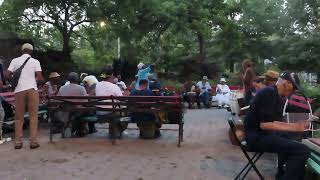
[244,148]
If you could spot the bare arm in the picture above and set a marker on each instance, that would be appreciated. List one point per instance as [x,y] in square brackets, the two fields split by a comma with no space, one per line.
[285,127]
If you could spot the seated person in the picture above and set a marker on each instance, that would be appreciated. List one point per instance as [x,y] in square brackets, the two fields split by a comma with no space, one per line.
[155,85]
[52,86]
[270,78]
[90,83]
[264,129]
[258,84]
[144,119]
[106,87]
[72,89]
[189,92]
[223,92]
[204,92]
[120,83]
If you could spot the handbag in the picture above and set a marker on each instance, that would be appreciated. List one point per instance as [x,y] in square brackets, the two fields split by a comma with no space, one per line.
[16,74]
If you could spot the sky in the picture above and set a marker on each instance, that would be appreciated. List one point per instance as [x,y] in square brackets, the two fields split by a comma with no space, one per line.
[1,1]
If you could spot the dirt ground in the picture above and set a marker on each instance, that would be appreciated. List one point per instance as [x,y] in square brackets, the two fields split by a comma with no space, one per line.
[206,154]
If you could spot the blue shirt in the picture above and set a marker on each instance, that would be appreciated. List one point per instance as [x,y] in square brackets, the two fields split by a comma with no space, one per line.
[142,74]
[145,92]
[266,106]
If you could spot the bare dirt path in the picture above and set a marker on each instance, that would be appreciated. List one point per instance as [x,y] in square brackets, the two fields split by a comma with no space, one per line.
[206,154]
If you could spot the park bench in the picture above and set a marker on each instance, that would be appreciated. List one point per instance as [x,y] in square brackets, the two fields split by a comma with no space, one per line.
[9,98]
[314,161]
[119,107]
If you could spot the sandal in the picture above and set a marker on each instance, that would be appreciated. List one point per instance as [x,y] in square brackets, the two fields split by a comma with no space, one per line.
[34,146]
[18,145]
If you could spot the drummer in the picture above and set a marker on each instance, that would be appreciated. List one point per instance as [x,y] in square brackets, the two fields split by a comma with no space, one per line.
[263,122]
[189,92]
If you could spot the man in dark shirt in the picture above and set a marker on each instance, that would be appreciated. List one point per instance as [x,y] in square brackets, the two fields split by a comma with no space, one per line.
[263,122]
[145,118]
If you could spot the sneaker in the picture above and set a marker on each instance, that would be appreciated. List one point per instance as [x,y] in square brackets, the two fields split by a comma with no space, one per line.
[34,146]
[18,145]
[2,140]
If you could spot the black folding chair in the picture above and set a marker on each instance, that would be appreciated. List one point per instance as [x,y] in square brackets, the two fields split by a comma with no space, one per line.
[244,148]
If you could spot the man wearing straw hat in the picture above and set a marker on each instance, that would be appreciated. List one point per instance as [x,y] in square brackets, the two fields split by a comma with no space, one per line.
[205,90]
[52,86]
[26,94]
[271,78]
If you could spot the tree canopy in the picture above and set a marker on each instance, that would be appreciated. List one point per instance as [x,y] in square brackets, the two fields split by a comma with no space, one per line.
[171,32]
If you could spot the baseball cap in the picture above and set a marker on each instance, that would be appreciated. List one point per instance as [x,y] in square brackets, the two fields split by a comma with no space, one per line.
[291,77]
[27,46]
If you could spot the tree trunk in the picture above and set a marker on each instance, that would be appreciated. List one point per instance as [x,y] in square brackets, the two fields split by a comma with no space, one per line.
[66,48]
[318,77]
[231,66]
[202,47]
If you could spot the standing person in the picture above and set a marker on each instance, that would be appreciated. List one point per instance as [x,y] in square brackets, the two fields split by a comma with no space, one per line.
[263,125]
[143,72]
[52,86]
[204,92]
[247,78]
[223,92]
[26,95]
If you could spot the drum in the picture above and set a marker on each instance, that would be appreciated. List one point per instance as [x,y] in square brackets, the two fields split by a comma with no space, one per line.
[233,99]
[191,93]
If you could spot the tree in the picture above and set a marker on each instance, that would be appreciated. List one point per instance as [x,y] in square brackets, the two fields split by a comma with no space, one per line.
[63,15]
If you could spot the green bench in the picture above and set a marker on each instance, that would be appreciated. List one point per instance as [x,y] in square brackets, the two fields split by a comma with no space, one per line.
[313,162]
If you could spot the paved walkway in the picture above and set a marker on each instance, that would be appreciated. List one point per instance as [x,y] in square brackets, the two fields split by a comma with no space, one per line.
[206,154]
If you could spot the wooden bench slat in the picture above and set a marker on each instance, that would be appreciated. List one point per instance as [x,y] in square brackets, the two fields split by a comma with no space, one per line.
[314,166]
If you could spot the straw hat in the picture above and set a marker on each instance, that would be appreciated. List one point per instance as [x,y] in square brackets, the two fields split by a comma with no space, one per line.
[271,75]
[54,75]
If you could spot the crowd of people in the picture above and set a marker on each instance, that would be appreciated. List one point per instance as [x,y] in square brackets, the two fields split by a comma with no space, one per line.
[264,94]
[30,79]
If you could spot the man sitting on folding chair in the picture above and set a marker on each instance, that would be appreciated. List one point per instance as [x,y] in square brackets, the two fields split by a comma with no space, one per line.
[263,124]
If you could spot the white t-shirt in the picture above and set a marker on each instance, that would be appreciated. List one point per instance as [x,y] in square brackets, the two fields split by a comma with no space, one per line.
[105,88]
[28,74]
[203,87]
[224,89]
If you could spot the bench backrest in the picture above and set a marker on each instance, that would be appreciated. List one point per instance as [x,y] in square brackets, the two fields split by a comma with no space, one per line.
[116,103]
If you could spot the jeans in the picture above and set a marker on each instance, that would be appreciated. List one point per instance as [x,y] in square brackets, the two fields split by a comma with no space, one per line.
[205,98]
[295,154]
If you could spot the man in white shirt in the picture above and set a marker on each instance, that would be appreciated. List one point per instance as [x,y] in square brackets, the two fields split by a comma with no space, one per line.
[26,94]
[108,88]
[223,92]
[204,89]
